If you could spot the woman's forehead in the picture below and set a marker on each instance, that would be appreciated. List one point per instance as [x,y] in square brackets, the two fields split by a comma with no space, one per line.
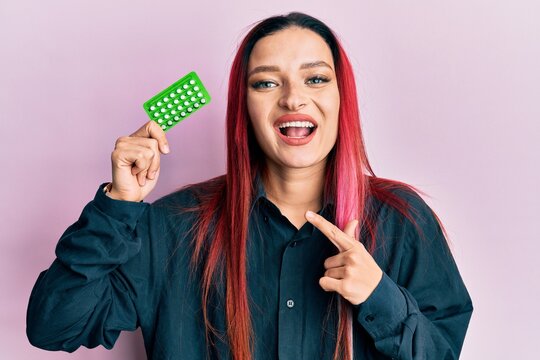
[290,47]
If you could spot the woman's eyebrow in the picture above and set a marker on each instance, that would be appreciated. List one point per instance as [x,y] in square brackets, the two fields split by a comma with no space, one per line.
[273,68]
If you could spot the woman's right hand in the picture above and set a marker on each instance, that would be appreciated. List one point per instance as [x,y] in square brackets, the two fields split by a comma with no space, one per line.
[135,162]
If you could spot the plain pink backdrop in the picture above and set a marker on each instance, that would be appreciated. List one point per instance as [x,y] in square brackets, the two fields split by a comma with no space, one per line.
[448,97]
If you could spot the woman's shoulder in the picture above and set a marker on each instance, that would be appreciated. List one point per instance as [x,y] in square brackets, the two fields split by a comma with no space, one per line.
[172,219]
[182,207]
[191,195]
[401,203]
[406,225]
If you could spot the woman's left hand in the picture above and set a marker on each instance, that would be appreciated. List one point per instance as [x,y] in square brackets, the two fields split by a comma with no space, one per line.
[353,273]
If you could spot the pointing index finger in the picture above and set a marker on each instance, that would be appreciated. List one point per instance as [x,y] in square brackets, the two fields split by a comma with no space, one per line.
[332,232]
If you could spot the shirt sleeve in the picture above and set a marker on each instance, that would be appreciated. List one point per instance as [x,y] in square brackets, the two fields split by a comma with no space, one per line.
[423,310]
[85,297]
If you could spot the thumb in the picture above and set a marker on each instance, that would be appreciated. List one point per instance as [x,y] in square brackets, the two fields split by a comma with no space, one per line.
[152,130]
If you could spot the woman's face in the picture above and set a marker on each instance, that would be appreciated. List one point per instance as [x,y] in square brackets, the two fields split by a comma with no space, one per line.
[293,98]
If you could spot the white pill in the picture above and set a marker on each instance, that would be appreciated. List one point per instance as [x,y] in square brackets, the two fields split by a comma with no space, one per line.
[169,122]
[186,103]
[169,106]
[152,108]
[196,105]
[183,97]
[189,92]
[185,86]
[176,118]
[167,116]
[179,107]
[196,88]
[199,94]
[173,112]
[163,110]
[203,100]
[179,90]
[160,121]
[189,109]
[193,99]
[172,95]
[166,99]
[192,82]
[183,114]
[156,114]
[163,126]
[159,103]
[176,101]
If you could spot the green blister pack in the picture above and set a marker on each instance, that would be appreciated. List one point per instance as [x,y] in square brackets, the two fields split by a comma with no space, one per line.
[177,102]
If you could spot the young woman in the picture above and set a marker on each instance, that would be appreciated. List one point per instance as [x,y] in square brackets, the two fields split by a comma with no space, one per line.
[298,252]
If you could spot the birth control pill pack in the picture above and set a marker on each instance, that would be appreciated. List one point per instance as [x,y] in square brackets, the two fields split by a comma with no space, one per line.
[177,102]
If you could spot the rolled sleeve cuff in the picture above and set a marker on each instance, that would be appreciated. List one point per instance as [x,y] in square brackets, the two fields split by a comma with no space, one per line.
[384,310]
[127,212]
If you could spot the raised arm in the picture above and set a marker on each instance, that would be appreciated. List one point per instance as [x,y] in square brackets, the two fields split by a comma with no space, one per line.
[86,297]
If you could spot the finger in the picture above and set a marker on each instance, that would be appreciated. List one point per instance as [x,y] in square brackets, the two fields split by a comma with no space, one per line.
[126,141]
[350,228]
[139,158]
[332,232]
[152,171]
[154,165]
[336,272]
[141,178]
[334,261]
[330,284]
[152,130]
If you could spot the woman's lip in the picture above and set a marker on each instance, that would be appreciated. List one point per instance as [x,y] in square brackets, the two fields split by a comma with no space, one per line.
[294,117]
[296,141]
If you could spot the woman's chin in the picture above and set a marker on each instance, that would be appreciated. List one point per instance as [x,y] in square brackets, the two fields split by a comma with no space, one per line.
[299,162]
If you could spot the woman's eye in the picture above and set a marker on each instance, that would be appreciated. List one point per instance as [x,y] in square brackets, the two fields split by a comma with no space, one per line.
[315,80]
[262,84]
[318,80]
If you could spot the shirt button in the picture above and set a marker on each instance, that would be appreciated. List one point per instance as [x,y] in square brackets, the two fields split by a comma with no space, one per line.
[369,318]
[265,219]
[294,243]
[290,303]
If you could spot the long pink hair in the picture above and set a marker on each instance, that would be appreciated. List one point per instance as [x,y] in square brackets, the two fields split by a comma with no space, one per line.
[221,229]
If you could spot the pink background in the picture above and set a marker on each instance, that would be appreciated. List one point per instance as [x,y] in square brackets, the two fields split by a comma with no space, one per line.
[448,97]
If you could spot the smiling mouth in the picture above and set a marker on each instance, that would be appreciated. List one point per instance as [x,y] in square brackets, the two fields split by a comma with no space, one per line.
[297,129]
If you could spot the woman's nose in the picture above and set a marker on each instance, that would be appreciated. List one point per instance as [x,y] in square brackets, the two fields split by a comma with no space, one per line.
[292,98]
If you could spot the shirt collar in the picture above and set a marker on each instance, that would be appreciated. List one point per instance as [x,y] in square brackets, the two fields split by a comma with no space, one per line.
[258,191]
[258,188]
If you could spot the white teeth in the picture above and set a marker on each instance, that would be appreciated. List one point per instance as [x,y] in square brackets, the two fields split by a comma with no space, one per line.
[297,124]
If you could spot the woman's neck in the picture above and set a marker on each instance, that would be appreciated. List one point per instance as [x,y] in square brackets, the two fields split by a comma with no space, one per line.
[294,191]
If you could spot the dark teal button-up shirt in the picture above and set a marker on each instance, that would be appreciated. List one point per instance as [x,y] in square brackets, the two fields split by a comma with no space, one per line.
[124,264]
